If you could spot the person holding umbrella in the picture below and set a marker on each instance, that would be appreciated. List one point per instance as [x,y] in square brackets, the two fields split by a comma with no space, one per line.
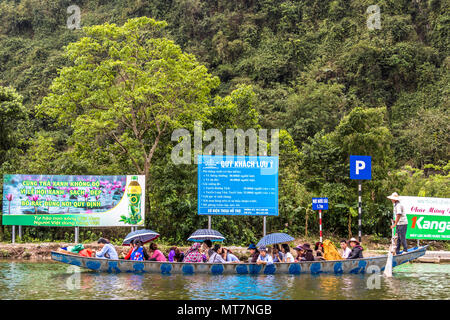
[127,257]
[401,222]
[139,253]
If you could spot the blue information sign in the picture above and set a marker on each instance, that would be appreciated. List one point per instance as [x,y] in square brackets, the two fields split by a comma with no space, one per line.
[237,185]
[361,167]
[320,203]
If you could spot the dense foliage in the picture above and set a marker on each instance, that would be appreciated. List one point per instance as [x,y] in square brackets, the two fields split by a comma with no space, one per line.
[311,68]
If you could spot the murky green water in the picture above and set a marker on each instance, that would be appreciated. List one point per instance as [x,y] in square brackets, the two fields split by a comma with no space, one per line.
[51,280]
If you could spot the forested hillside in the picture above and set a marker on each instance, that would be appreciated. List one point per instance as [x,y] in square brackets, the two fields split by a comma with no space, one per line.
[312,68]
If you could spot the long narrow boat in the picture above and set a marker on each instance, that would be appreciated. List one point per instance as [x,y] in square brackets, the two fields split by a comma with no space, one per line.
[369,265]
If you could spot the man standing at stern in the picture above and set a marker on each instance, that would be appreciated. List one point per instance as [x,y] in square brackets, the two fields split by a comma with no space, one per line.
[401,222]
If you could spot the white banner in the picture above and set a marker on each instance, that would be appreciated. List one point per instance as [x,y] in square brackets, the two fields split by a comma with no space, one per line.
[426,206]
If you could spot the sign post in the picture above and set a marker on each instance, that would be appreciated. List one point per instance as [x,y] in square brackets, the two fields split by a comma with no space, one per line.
[77,231]
[360,169]
[320,204]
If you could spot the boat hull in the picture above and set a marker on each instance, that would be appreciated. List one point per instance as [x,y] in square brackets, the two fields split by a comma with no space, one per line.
[355,266]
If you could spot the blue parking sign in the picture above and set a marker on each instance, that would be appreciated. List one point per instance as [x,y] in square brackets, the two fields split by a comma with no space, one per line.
[361,167]
[320,203]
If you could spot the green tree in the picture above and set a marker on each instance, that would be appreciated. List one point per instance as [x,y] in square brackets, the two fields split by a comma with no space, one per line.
[12,113]
[127,87]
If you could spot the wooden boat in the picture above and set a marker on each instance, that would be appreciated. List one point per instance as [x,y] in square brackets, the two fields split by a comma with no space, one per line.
[364,265]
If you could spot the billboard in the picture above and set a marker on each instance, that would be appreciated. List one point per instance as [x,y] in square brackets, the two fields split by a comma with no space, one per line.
[428,218]
[56,200]
[237,185]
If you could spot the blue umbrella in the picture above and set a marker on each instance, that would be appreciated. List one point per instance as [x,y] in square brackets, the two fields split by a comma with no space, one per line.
[274,238]
[206,234]
[144,235]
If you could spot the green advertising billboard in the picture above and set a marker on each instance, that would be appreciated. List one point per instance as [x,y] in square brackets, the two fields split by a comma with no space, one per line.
[428,218]
[55,200]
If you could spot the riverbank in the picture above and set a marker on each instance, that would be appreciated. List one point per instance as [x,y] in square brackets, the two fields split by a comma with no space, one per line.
[437,252]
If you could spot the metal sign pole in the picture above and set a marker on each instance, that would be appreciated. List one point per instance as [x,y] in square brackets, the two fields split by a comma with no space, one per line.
[76,234]
[320,224]
[20,232]
[13,235]
[264,226]
[359,210]
[209,222]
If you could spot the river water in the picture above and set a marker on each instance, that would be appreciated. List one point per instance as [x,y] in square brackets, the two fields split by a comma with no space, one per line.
[51,280]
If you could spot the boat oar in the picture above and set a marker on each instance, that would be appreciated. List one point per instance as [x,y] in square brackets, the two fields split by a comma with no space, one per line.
[388,268]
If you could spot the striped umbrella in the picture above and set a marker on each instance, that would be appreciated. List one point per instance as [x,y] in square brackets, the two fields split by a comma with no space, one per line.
[274,238]
[206,234]
[144,235]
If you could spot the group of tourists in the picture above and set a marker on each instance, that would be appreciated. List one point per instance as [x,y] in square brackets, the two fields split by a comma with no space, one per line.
[206,252]
[263,255]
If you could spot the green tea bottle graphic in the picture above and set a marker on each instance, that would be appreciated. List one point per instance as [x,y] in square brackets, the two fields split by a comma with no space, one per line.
[134,194]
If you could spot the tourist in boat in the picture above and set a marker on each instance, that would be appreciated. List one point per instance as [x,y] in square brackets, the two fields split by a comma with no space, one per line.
[277,255]
[401,222]
[207,247]
[228,256]
[308,252]
[345,249]
[305,253]
[175,255]
[127,257]
[288,257]
[108,251]
[155,254]
[254,253]
[194,254]
[216,257]
[139,253]
[264,257]
[357,250]
[318,249]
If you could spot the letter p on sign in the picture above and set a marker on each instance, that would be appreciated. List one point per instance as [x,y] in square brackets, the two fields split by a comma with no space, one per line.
[361,167]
